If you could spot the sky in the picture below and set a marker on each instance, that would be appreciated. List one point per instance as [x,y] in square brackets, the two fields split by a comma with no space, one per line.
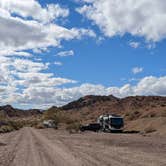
[55,51]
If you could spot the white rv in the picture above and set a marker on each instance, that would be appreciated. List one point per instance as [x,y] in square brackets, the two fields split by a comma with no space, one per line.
[111,123]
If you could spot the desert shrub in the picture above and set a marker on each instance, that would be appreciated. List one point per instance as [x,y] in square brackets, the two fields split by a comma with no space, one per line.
[152,115]
[163,113]
[163,105]
[52,114]
[67,119]
[127,114]
[9,126]
[132,115]
[39,126]
[58,116]
[73,127]
[2,117]
[16,125]
[149,129]
[6,128]
[153,106]
[31,123]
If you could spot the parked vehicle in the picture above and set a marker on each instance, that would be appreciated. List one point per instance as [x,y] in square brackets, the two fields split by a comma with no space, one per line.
[111,123]
[106,123]
[50,124]
[91,127]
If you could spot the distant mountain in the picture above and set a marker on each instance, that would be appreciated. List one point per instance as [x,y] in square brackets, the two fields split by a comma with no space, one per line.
[9,112]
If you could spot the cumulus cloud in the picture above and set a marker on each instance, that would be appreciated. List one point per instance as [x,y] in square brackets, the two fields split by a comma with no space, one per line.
[32,35]
[146,86]
[65,53]
[134,44]
[28,28]
[137,70]
[20,76]
[58,63]
[45,96]
[121,17]
[33,9]
[26,25]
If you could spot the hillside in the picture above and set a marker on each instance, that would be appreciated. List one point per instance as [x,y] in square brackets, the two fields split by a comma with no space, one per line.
[142,105]
[139,111]
[13,119]
[9,112]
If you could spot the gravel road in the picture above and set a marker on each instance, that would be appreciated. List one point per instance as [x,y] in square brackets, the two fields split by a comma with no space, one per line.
[32,147]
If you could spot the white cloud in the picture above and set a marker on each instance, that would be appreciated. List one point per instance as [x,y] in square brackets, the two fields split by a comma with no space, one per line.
[65,53]
[58,63]
[137,70]
[19,34]
[41,96]
[144,18]
[134,44]
[31,8]
[33,35]
[18,75]
[26,27]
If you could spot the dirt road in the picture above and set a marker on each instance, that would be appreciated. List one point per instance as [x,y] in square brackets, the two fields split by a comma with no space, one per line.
[31,147]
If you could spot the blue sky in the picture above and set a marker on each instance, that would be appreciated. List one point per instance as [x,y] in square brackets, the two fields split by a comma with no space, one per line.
[107,62]
[54,51]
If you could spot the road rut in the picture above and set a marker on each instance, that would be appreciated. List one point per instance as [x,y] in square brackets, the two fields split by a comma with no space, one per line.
[32,147]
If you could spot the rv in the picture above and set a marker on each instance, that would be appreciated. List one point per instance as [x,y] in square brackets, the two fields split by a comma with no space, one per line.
[111,123]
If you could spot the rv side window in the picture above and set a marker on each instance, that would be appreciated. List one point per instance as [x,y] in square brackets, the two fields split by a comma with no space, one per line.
[117,121]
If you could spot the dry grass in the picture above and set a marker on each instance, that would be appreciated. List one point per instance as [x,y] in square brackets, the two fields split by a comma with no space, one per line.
[132,115]
[61,117]
[73,127]
[6,128]
[149,129]
[8,125]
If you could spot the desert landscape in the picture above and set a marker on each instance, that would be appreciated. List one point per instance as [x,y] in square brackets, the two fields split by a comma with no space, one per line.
[82,83]
[31,144]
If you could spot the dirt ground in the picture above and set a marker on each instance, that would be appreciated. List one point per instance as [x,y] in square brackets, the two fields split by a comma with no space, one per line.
[48,147]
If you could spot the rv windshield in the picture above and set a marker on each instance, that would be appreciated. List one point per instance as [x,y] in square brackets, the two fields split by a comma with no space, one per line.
[117,121]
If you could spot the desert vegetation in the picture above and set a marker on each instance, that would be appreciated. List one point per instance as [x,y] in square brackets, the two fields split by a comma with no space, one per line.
[62,118]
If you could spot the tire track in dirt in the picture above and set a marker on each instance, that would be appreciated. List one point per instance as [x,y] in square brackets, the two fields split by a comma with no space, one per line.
[29,147]
[8,152]
[54,153]
[32,147]
[109,150]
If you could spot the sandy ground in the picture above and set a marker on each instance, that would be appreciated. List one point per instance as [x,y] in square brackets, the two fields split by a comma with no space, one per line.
[32,147]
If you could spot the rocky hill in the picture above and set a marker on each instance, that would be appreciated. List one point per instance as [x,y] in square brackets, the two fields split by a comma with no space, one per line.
[111,104]
[89,101]
[138,111]
[9,112]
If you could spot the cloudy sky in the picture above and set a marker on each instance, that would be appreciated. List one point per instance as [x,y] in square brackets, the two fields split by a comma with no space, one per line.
[55,51]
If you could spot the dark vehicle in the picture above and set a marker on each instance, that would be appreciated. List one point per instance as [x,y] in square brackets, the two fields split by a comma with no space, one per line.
[91,127]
